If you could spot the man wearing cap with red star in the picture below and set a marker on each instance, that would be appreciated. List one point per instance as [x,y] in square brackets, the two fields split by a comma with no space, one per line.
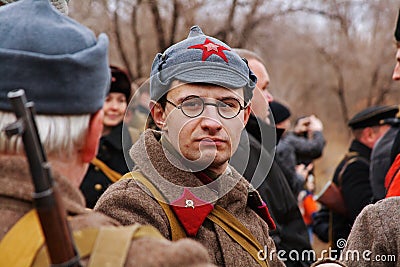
[182,182]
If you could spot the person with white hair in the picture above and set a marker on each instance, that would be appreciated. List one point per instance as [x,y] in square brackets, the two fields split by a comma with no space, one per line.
[64,70]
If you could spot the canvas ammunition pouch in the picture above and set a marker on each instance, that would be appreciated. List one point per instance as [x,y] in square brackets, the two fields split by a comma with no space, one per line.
[23,245]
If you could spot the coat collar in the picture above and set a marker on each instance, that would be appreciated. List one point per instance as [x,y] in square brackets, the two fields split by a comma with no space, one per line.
[256,127]
[114,138]
[17,184]
[166,173]
[361,149]
[171,177]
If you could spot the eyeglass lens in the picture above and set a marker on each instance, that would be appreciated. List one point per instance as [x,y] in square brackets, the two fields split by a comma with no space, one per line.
[227,108]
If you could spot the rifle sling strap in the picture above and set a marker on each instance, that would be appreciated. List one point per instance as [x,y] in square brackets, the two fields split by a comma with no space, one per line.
[177,231]
[21,243]
[24,246]
[232,226]
[350,158]
[111,174]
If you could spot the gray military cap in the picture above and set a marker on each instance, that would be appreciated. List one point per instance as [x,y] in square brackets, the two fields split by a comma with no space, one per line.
[59,63]
[200,59]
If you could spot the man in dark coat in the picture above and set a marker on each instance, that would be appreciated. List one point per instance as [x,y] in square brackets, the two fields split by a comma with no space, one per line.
[254,158]
[352,173]
[381,161]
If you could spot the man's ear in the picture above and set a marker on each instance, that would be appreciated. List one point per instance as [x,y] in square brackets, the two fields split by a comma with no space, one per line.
[92,138]
[246,113]
[158,114]
[367,137]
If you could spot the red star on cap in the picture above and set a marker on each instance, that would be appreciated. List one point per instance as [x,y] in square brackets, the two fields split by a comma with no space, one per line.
[210,48]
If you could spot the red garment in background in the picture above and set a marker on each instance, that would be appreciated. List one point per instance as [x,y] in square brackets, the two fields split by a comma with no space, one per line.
[392,179]
[310,206]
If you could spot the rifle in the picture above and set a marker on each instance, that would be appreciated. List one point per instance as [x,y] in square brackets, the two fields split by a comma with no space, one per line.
[47,200]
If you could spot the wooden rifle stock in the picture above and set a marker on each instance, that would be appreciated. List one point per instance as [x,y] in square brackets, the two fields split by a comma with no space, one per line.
[47,200]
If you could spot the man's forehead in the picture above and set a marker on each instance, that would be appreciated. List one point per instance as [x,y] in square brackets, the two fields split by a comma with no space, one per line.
[179,89]
[260,71]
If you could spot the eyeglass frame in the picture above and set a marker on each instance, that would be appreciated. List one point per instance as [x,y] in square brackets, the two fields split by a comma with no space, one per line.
[179,106]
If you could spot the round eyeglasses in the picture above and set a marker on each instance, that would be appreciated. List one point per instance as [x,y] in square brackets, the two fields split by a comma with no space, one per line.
[193,106]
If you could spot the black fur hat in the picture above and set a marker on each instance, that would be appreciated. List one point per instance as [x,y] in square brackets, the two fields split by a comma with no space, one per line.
[120,82]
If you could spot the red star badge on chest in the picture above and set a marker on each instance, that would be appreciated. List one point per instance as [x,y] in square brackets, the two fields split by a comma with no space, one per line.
[210,48]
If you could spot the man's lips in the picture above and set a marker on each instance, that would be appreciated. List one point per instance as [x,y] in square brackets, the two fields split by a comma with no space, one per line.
[211,141]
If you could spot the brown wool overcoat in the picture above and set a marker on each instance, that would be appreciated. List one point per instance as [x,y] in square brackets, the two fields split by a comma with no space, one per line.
[376,233]
[15,200]
[127,202]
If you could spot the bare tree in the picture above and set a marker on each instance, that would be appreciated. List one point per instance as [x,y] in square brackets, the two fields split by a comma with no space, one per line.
[223,33]
[174,23]
[136,39]
[119,40]
[161,39]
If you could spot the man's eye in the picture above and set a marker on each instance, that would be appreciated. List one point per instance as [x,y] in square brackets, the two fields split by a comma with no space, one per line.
[229,103]
[194,103]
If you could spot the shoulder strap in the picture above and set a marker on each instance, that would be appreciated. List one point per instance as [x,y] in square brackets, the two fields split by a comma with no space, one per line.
[232,226]
[238,232]
[111,174]
[350,158]
[107,246]
[23,245]
[177,231]
[22,242]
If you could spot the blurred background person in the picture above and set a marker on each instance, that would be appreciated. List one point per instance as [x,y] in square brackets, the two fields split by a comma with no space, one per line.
[352,173]
[261,138]
[110,163]
[308,205]
[139,107]
[291,145]
[308,139]
[381,159]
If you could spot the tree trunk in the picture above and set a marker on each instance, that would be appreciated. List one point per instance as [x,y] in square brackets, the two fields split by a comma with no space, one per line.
[120,49]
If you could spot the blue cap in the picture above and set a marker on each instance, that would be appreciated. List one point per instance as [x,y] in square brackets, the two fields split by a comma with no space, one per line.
[57,61]
[200,59]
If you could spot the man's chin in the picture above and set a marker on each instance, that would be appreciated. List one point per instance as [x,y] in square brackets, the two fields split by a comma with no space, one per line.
[206,159]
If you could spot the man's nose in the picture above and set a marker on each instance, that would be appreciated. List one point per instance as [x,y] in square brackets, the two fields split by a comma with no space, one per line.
[396,72]
[268,96]
[210,119]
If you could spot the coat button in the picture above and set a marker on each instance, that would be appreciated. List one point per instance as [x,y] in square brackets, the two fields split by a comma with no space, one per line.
[96,168]
[98,187]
